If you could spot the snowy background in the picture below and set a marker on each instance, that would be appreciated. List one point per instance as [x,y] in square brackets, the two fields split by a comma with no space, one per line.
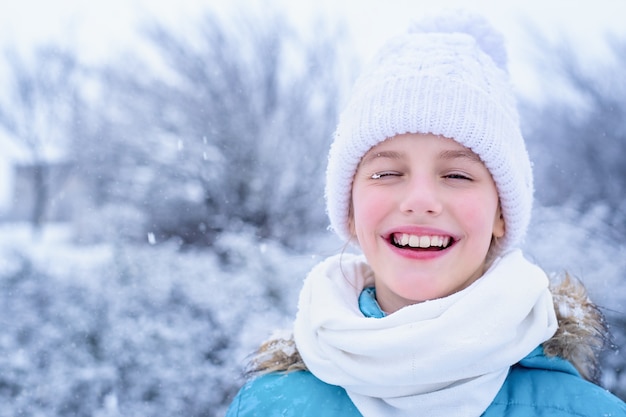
[162,171]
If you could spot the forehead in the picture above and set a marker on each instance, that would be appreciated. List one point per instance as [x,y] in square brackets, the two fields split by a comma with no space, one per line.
[398,146]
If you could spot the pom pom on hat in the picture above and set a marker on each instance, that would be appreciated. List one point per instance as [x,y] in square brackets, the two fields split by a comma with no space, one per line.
[489,41]
[447,76]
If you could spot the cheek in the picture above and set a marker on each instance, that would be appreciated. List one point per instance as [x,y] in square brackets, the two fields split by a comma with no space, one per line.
[478,214]
[367,208]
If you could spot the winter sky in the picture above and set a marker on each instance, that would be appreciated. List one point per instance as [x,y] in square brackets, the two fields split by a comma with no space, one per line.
[97,28]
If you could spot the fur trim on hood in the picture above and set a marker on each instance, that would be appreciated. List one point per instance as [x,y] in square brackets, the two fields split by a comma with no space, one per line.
[582,334]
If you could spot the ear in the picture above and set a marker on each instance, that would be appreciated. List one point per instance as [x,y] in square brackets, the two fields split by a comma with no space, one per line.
[498,224]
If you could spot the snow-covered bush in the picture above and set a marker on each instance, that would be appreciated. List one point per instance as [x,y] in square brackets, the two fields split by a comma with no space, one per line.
[137,331]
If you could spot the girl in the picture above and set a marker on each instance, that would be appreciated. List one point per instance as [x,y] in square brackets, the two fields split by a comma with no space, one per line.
[441,315]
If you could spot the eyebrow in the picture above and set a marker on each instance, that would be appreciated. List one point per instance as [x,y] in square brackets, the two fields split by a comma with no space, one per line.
[460,154]
[382,154]
[445,155]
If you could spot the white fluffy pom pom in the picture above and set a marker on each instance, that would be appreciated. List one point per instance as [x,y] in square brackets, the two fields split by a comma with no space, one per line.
[460,21]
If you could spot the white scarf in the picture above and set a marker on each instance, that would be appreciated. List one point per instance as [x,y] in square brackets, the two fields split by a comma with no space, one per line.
[445,357]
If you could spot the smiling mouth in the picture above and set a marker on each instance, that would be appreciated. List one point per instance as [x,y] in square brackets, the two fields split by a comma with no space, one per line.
[425,242]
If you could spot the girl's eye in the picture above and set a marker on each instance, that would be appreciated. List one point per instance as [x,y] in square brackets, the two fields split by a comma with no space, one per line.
[458,176]
[379,175]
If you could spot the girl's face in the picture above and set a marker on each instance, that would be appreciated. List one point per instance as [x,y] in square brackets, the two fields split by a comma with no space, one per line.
[425,209]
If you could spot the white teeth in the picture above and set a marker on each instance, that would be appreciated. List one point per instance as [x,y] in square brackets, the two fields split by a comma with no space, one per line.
[416,241]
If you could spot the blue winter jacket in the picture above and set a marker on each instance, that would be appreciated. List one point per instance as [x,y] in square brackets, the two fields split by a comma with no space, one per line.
[536,386]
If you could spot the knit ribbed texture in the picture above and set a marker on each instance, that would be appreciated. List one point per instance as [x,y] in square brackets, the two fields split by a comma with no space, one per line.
[444,84]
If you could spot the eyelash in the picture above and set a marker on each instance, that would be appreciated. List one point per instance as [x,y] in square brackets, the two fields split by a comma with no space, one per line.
[458,176]
[454,176]
[379,175]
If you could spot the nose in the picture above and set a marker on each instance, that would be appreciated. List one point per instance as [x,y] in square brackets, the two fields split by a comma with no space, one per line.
[421,196]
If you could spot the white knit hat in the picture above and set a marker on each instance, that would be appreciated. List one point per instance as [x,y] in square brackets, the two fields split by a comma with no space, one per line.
[447,76]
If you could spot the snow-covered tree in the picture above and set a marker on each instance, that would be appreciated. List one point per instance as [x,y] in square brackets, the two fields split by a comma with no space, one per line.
[220,131]
[577,133]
